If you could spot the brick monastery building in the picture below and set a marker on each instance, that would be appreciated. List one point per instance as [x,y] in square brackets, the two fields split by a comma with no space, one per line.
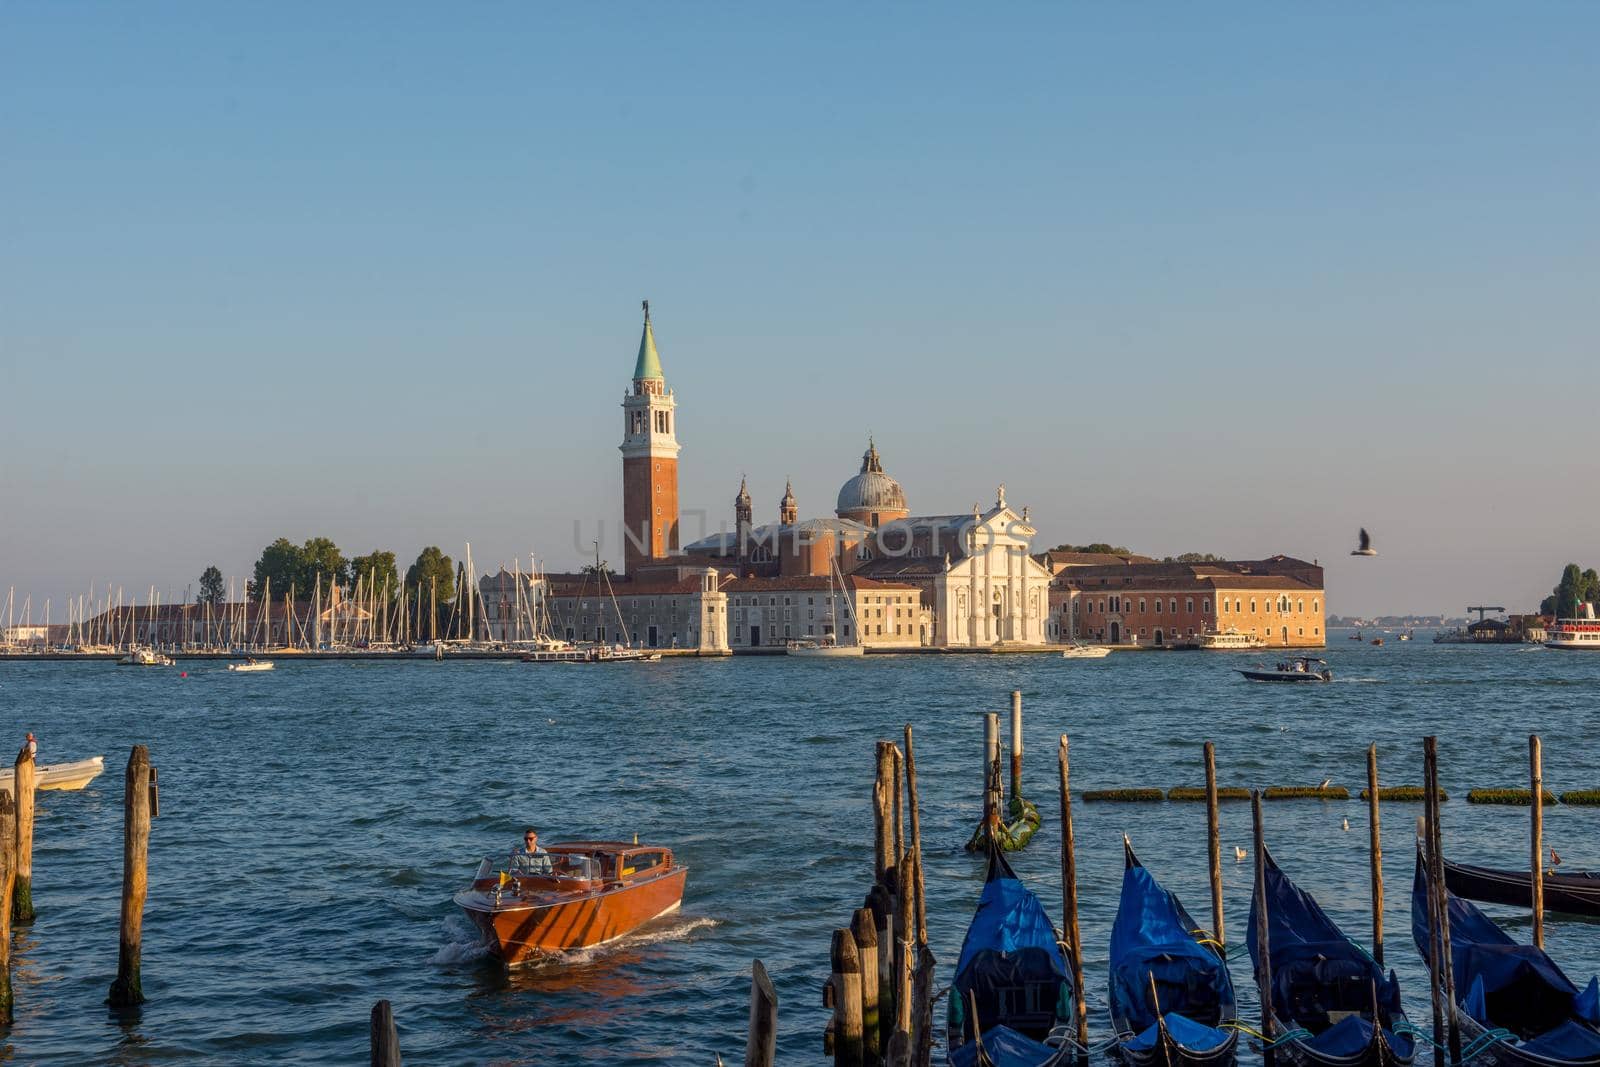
[1125,600]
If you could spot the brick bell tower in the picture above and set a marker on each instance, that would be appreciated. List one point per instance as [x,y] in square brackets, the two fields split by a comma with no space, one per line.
[649,460]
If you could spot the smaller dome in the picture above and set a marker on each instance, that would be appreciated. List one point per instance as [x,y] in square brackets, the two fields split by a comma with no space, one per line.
[872,489]
[788,500]
[743,499]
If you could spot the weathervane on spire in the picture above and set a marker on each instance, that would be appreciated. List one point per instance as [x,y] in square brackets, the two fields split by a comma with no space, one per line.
[647,311]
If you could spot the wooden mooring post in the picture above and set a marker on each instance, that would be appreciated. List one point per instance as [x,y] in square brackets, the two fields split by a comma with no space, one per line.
[1375,849]
[1536,830]
[1263,935]
[127,990]
[991,767]
[864,929]
[761,1042]
[24,782]
[1214,846]
[1016,742]
[1440,899]
[1069,904]
[847,1034]
[8,878]
[883,854]
[916,840]
[385,1036]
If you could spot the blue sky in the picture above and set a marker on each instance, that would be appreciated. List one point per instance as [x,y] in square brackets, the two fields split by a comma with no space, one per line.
[1231,278]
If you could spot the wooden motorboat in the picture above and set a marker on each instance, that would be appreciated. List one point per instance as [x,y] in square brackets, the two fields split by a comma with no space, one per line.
[593,892]
[1377,641]
[62,776]
[1303,669]
[1577,893]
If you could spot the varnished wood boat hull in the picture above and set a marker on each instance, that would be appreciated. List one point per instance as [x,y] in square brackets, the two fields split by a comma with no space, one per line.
[520,931]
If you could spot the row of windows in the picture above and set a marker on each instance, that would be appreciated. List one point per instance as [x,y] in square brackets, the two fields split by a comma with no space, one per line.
[1283,605]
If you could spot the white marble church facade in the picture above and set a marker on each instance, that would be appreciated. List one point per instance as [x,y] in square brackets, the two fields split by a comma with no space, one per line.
[994,592]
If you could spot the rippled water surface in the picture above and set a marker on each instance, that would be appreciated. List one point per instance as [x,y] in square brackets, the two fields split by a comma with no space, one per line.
[315,821]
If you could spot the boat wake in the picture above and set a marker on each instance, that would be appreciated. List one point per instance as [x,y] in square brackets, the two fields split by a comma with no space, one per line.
[677,928]
[463,944]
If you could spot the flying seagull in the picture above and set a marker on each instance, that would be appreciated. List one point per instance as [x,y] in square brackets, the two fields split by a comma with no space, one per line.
[1366,548]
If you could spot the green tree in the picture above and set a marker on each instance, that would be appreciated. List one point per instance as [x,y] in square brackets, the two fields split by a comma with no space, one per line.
[321,559]
[282,562]
[1195,557]
[1576,587]
[379,570]
[1098,546]
[211,589]
[432,564]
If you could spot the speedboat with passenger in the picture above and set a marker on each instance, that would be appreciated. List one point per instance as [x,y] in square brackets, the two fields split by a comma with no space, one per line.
[1299,669]
[589,893]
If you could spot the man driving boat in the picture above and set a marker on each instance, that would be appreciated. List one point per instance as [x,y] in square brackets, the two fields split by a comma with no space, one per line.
[530,858]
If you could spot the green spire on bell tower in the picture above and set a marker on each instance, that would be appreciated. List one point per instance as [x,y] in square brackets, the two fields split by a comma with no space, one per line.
[649,364]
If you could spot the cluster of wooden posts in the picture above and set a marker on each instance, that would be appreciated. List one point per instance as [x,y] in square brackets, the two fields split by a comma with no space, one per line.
[881,985]
[140,804]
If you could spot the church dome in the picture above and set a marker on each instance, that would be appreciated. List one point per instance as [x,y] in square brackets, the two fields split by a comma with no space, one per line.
[872,490]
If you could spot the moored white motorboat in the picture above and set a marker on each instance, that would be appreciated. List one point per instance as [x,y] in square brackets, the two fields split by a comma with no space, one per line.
[825,648]
[61,776]
[1228,639]
[1079,650]
[144,657]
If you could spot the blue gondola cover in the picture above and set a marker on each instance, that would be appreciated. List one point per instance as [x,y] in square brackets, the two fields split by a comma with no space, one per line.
[1010,964]
[1005,1048]
[1503,984]
[1154,936]
[1318,974]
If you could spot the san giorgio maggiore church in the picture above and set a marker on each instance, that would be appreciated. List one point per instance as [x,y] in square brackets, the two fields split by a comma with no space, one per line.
[957,580]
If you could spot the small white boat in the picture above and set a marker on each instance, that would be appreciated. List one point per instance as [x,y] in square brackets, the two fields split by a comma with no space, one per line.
[253,665]
[62,776]
[825,648]
[1079,650]
[145,657]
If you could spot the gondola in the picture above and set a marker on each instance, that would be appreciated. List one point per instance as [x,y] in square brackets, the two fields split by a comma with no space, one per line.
[1577,893]
[1172,999]
[1324,986]
[1013,976]
[1513,1004]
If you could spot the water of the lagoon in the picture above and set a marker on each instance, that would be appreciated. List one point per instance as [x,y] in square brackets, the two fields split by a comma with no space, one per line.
[315,821]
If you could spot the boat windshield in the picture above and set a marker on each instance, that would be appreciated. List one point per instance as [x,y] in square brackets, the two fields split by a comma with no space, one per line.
[561,865]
